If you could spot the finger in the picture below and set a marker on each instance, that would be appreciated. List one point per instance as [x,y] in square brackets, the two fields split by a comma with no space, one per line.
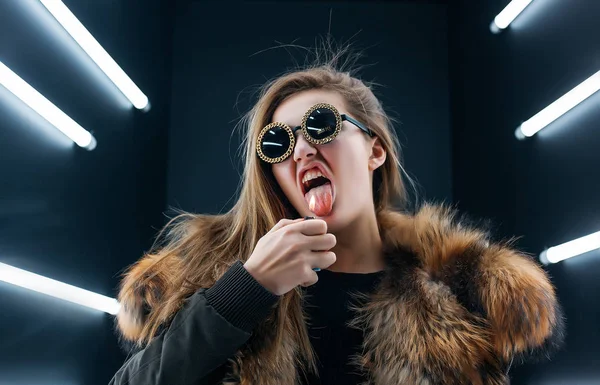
[283,223]
[313,278]
[310,227]
[322,259]
[321,242]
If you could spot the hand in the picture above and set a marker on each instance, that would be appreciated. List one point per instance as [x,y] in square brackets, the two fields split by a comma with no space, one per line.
[285,257]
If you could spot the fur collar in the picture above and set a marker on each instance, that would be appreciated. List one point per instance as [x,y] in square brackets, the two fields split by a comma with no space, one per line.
[452,308]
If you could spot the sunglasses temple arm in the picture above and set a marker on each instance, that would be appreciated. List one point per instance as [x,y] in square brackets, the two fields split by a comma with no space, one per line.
[356,123]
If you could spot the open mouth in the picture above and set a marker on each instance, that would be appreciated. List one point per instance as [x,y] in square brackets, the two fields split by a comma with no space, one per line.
[318,192]
[317,181]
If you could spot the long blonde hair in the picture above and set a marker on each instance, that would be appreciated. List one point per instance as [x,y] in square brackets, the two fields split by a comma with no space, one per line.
[193,250]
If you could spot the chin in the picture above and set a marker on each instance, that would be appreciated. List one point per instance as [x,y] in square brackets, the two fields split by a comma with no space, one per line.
[335,221]
[333,224]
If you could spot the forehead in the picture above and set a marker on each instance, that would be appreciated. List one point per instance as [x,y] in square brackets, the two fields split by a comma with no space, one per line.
[293,108]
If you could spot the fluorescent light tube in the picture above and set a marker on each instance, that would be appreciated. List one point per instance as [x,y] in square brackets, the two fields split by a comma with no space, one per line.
[571,249]
[559,107]
[58,289]
[508,14]
[45,108]
[106,63]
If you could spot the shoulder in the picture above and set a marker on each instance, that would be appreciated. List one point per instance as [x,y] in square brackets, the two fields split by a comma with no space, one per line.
[156,281]
[447,245]
[436,234]
[490,278]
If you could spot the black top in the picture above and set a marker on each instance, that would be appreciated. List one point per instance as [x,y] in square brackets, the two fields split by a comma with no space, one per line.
[327,306]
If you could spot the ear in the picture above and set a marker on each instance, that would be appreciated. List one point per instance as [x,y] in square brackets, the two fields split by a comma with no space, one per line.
[378,155]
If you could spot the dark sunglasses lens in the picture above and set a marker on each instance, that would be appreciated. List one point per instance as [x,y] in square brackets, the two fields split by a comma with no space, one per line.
[275,142]
[321,123]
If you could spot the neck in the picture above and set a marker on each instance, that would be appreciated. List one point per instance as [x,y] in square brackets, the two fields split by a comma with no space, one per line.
[359,247]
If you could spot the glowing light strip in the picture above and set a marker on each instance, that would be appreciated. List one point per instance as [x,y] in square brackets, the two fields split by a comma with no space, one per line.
[89,44]
[58,289]
[509,14]
[45,108]
[571,249]
[559,107]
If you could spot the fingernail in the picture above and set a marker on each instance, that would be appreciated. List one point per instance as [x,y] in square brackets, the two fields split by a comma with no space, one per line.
[316,269]
[309,218]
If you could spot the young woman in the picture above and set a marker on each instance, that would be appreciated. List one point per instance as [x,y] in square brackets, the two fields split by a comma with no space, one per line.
[318,275]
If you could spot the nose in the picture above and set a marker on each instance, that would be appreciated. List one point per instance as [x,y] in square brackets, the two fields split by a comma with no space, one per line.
[304,149]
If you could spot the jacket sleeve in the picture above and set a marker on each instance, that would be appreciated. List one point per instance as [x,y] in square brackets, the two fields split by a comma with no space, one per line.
[520,303]
[211,326]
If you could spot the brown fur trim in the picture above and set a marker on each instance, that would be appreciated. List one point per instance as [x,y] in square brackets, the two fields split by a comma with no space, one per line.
[142,288]
[417,332]
[513,292]
[432,234]
[519,299]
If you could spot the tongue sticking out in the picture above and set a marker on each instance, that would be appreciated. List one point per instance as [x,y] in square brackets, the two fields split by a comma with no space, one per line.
[320,200]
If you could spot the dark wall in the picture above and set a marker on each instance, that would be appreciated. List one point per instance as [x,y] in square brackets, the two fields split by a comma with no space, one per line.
[545,189]
[81,217]
[222,53]
[76,216]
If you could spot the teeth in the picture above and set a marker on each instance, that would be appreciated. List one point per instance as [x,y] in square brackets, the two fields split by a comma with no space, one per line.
[312,174]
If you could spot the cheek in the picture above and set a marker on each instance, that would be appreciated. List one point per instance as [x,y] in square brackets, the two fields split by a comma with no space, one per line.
[285,176]
[351,169]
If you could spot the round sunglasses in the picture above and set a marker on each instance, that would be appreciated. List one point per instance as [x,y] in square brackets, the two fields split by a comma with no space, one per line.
[320,125]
